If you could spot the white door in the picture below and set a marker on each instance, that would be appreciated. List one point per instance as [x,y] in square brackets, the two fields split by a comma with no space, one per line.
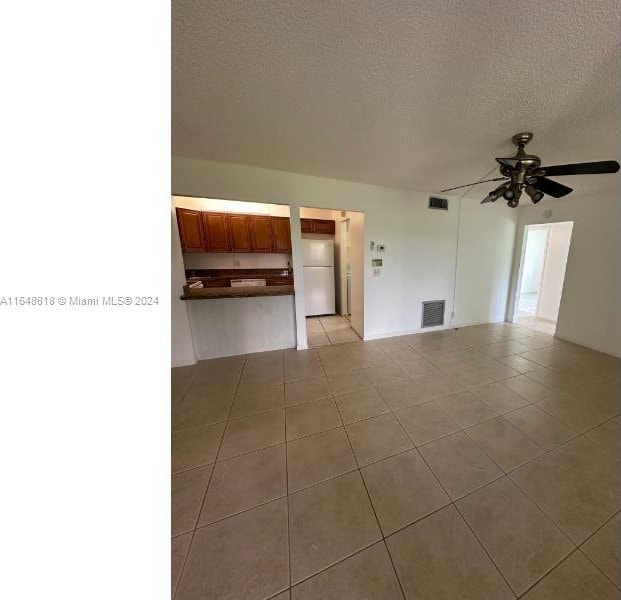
[319,290]
[318,253]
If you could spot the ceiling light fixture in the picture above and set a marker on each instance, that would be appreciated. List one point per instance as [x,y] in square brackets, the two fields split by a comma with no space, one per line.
[525,170]
[535,195]
[512,194]
[497,193]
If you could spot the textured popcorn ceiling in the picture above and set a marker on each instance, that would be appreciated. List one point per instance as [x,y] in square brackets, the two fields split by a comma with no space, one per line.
[409,94]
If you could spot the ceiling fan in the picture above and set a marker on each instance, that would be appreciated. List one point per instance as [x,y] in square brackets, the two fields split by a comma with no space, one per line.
[524,172]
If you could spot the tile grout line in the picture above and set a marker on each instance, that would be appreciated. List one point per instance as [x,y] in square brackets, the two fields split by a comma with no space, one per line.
[454,504]
[462,429]
[187,554]
[566,536]
[589,558]
[391,411]
[542,509]
[364,483]
[451,502]
[287,480]
[240,512]
[555,566]
[357,469]
[504,474]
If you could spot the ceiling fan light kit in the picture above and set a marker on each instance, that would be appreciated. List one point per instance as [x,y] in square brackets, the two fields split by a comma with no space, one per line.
[535,195]
[524,172]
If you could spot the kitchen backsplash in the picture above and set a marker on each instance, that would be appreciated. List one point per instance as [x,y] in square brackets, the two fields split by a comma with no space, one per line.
[230,260]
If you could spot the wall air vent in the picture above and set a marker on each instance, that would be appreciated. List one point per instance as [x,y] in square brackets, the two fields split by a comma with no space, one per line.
[438,203]
[433,313]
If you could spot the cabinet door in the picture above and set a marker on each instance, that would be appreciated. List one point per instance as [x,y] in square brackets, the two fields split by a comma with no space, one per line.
[190,230]
[306,225]
[323,226]
[279,281]
[261,233]
[216,232]
[281,235]
[239,233]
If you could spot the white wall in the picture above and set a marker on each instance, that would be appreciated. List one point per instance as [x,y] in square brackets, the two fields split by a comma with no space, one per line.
[357,252]
[340,265]
[182,347]
[234,326]
[315,213]
[231,206]
[235,260]
[421,244]
[589,312]
[484,261]
[559,238]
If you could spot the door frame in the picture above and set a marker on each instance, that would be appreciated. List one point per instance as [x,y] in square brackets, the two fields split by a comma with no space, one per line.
[518,287]
[513,310]
[343,260]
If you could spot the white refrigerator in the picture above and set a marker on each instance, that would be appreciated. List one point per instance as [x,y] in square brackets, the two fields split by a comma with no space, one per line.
[318,262]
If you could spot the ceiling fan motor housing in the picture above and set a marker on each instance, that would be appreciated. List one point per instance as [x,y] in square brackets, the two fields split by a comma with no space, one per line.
[521,139]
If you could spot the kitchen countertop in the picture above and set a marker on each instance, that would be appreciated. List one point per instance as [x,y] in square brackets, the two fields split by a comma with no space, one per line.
[239,292]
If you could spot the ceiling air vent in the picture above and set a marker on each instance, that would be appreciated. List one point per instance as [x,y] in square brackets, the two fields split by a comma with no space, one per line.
[433,313]
[438,203]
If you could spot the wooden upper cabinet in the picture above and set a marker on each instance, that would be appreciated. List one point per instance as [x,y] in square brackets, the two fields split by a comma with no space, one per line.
[203,231]
[190,230]
[323,226]
[239,233]
[215,229]
[281,234]
[317,226]
[261,233]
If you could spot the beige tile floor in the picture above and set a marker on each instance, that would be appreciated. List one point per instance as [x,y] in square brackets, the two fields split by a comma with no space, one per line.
[331,329]
[537,323]
[478,463]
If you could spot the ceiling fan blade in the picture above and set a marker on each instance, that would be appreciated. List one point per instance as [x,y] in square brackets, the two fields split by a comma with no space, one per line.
[551,188]
[590,168]
[474,183]
[486,199]
[510,163]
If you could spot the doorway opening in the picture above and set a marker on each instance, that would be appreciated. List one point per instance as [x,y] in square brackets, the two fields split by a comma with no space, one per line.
[333,250]
[542,273]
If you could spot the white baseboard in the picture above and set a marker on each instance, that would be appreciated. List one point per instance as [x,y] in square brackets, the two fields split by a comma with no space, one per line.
[590,347]
[380,336]
[182,363]
[473,323]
